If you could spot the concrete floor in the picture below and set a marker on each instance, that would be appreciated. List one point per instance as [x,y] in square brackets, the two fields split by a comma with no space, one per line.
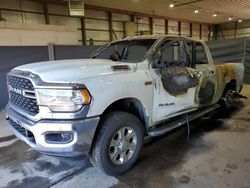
[217,154]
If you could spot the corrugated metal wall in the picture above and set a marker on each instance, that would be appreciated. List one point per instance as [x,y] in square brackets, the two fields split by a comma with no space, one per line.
[234,30]
[232,50]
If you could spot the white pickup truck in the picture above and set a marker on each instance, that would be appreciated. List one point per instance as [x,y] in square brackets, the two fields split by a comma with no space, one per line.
[106,105]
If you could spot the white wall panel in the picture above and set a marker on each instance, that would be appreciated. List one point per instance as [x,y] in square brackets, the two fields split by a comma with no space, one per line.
[196,31]
[173,27]
[57,9]
[12,16]
[65,21]
[204,32]
[185,29]
[143,27]
[120,17]
[119,35]
[172,23]
[30,34]
[9,4]
[96,24]
[143,24]
[118,26]
[32,6]
[34,18]
[98,35]
[159,26]
[96,14]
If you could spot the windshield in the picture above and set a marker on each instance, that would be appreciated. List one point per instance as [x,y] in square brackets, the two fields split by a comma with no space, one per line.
[125,51]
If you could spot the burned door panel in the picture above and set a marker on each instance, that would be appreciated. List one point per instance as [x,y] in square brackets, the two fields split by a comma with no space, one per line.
[207,90]
[177,80]
[206,93]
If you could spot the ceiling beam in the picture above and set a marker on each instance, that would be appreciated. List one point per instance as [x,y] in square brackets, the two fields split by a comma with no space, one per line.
[187,3]
[122,11]
[57,2]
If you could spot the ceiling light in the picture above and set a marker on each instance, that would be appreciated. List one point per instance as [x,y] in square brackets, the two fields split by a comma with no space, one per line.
[215,14]
[171,5]
[230,19]
[239,20]
[196,11]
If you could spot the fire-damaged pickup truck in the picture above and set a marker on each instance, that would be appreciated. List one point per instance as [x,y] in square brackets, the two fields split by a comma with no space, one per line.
[127,90]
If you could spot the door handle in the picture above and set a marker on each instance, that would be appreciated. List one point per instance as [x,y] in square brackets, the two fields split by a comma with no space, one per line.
[212,72]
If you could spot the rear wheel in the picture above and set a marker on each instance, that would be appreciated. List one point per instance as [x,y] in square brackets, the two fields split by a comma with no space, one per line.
[226,102]
[228,98]
[118,144]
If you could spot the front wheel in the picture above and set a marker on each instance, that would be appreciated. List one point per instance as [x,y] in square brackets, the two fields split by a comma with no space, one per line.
[226,103]
[228,99]
[118,144]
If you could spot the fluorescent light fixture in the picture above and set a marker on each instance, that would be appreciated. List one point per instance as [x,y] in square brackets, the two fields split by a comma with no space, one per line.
[196,11]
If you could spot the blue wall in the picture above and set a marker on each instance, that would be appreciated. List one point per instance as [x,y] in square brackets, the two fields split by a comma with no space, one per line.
[12,56]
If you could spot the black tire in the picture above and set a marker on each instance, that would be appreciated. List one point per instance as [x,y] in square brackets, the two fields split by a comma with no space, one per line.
[110,124]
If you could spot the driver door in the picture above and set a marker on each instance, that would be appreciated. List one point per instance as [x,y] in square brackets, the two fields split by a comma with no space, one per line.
[176,81]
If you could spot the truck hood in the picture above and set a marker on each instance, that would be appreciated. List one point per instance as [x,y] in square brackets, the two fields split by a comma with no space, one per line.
[69,71]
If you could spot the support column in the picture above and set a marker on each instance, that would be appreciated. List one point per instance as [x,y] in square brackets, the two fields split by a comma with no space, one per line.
[235,29]
[166,27]
[110,26]
[45,5]
[151,25]
[179,28]
[200,31]
[83,31]
[191,29]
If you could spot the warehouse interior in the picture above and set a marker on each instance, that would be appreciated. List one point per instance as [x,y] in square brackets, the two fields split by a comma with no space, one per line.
[212,151]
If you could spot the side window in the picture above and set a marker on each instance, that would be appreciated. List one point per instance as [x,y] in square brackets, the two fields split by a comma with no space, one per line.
[172,52]
[173,55]
[136,53]
[201,56]
[106,54]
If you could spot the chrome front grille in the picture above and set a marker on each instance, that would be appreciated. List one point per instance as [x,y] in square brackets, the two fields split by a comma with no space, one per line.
[22,94]
[20,83]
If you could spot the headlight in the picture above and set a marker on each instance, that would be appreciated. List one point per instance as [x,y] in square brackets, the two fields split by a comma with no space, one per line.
[63,100]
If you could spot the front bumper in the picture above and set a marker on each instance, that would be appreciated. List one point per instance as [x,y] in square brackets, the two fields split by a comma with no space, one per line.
[34,133]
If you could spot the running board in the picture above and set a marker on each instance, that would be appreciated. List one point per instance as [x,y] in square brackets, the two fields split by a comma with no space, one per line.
[173,125]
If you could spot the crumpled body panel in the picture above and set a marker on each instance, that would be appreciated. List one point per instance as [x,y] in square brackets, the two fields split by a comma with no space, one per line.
[177,80]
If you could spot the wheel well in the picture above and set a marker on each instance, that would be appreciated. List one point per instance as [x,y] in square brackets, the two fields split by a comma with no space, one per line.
[130,105]
[231,85]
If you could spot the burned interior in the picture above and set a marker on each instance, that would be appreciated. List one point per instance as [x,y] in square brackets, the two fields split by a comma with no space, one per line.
[173,64]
